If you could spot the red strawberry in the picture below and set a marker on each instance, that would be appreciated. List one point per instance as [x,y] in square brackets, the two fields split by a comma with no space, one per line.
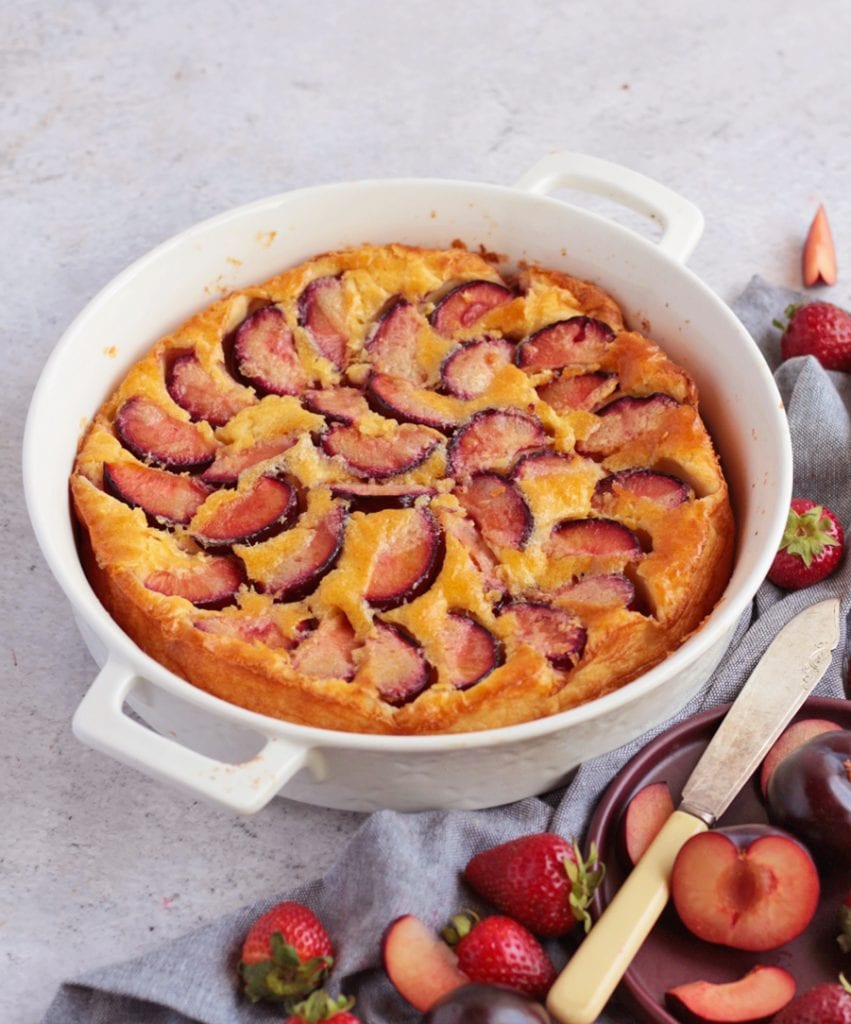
[319,1006]
[817,329]
[811,548]
[825,1004]
[286,954]
[498,950]
[844,921]
[540,880]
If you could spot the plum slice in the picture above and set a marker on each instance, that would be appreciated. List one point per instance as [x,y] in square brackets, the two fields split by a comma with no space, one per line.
[399,399]
[322,313]
[341,405]
[368,497]
[300,573]
[624,419]
[395,663]
[392,347]
[603,590]
[251,629]
[407,558]
[577,341]
[377,457]
[538,464]
[466,303]
[327,652]
[194,389]
[599,537]
[466,533]
[147,430]
[584,391]
[663,489]
[211,582]
[164,497]
[265,353]
[554,632]
[468,370]
[228,464]
[498,508]
[492,439]
[269,506]
[469,651]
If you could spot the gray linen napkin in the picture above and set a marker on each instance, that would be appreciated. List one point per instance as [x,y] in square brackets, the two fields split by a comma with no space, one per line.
[409,863]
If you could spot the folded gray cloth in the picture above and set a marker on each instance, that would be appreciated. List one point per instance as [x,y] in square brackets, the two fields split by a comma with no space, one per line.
[409,863]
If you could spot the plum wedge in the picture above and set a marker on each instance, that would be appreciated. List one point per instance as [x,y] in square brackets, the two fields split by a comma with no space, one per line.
[593,537]
[340,405]
[469,651]
[469,369]
[211,582]
[554,632]
[407,559]
[395,664]
[299,575]
[164,497]
[392,345]
[498,508]
[368,497]
[322,313]
[583,391]
[492,439]
[327,652]
[625,419]
[377,457]
[466,303]
[251,629]
[578,341]
[147,430]
[605,590]
[202,395]
[229,463]
[662,489]
[269,506]
[399,399]
[265,354]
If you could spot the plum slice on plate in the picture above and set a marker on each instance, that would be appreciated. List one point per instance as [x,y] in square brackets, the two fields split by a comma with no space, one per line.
[395,664]
[209,582]
[322,313]
[266,508]
[599,537]
[498,508]
[492,439]
[469,651]
[379,456]
[341,405]
[229,463]
[392,345]
[164,497]
[468,370]
[369,497]
[147,430]
[466,303]
[265,353]
[299,574]
[583,391]
[554,632]
[407,559]
[624,419]
[203,396]
[577,341]
[399,399]
[662,489]
[327,651]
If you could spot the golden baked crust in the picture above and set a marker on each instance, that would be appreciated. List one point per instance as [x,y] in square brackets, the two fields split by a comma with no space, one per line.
[389,491]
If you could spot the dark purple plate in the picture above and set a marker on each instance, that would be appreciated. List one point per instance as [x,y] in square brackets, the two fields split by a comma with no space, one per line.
[671,955]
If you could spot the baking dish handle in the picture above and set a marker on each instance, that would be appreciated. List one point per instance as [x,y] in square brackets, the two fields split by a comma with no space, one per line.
[681,221]
[101,723]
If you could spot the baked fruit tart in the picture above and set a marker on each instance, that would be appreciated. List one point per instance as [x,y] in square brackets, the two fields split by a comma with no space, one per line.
[393,491]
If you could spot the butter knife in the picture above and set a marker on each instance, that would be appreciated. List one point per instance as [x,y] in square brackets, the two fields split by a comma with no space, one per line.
[785,675]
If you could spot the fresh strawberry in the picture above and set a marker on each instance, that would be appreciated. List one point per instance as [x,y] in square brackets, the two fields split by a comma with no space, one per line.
[498,950]
[818,329]
[319,1006]
[844,921]
[829,1003]
[286,954]
[541,880]
[811,548]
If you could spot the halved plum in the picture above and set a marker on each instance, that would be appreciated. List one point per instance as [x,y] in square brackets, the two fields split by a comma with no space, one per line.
[625,419]
[228,464]
[498,508]
[395,664]
[554,632]
[600,537]
[341,405]
[399,399]
[377,457]
[407,559]
[322,313]
[299,575]
[466,303]
[468,370]
[209,582]
[583,391]
[577,341]
[469,651]
[204,397]
[147,430]
[392,346]
[251,629]
[265,353]
[164,497]
[269,506]
[663,489]
[603,590]
[492,439]
[367,497]
[327,652]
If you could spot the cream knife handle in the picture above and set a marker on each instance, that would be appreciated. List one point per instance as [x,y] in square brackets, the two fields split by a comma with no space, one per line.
[592,974]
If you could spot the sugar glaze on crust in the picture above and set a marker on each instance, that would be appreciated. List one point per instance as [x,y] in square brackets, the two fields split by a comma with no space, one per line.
[389,491]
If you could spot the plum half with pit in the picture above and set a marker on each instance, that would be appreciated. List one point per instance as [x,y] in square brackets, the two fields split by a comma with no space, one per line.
[809,794]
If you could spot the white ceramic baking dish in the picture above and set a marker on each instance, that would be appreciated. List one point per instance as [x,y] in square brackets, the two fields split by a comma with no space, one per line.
[149,718]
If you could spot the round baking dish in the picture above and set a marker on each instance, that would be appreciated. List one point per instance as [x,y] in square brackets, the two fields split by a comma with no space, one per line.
[240,759]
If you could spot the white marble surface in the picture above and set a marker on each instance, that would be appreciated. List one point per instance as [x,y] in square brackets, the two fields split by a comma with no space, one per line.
[123,123]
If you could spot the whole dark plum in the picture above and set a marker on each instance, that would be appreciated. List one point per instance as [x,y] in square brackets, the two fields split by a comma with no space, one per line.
[486,1004]
[809,794]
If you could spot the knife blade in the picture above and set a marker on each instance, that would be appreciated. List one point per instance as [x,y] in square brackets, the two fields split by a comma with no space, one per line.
[788,671]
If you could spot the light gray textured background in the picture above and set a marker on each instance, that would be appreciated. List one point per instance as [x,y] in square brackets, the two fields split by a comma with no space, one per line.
[121,124]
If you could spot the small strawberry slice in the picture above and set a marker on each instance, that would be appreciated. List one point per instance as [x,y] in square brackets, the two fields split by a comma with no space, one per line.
[203,396]
[209,583]
[466,303]
[541,880]
[165,498]
[578,341]
[498,508]
[818,329]
[322,313]
[319,1007]
[818,260]
[811,548]
[287,953]
[147,430]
